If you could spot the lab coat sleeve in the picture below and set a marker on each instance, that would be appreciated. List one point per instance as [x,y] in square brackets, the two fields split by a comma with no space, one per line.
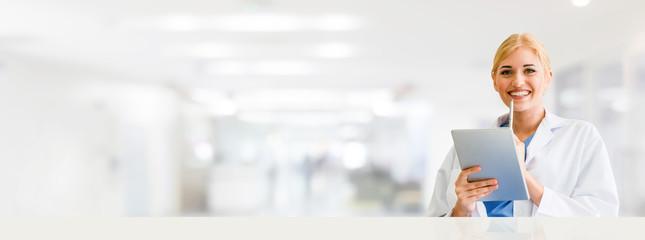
[595,192]
[439,205]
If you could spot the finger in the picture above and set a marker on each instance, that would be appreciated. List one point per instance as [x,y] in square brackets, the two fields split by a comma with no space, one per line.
[477,191]
[479,196]
[483,194]
[463,176]
[517,141]
[480,184]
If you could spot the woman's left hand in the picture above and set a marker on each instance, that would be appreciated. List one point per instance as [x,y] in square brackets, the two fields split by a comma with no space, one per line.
[536,189]
[519,147]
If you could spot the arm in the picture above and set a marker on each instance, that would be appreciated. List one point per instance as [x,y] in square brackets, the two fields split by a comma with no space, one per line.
[535,188]
[439,205]
[469,192]
[595,190]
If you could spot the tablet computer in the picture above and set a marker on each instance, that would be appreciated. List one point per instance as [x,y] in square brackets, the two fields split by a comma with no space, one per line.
[494,150]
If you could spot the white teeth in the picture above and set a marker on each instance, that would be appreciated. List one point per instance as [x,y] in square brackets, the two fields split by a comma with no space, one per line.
[520,94]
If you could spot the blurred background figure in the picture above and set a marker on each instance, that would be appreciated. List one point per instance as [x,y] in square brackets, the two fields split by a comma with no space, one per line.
[284,107]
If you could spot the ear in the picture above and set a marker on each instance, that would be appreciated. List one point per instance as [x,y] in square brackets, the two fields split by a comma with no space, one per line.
[548,80]
[492,75]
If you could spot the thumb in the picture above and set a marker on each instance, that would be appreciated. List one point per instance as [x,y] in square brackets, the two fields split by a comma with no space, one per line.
[517,140]
[519,145]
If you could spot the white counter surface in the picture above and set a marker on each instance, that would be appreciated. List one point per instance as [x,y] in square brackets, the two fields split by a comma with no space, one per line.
[215,228]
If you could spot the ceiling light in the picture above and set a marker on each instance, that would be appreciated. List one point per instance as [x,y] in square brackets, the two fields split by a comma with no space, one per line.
[277,67]
[354,155]
[211,50]
[580,3]
[200,50]
[217,102]
[204,152]
[207,96]
[282,68]
[180,22]
[367,98]
[258,23]
[621,105]
[336,22]
[225,107]
[263,22]
[306,118]
[334,50]
[289,99]
[227,68]
[384,109]
[362,117]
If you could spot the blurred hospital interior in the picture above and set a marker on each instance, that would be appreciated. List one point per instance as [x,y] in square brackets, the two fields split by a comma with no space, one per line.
[286,107]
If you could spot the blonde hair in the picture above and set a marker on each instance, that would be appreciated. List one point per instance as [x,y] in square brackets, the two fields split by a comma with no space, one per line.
[514,41]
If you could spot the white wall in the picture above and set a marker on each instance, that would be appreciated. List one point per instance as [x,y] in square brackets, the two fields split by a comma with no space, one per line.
[78,142]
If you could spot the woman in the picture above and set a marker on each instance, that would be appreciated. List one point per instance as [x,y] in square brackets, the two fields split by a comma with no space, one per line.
[566,166]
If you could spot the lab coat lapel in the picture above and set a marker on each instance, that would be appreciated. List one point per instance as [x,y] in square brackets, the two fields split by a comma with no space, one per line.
[543,135]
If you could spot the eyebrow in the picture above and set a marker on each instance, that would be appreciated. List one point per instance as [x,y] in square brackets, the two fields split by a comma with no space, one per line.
[527,65]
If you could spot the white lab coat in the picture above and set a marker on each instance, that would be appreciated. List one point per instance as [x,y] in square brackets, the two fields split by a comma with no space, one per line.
[567,156]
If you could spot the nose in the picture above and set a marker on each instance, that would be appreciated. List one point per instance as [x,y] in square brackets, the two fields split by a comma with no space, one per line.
[518,80]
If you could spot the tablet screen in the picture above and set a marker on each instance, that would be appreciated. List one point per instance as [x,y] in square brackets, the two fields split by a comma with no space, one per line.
[494,150]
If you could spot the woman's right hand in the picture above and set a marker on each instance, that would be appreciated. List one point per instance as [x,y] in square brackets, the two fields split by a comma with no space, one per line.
[469,192]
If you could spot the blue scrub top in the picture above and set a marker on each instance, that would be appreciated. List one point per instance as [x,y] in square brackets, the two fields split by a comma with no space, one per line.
[504,208]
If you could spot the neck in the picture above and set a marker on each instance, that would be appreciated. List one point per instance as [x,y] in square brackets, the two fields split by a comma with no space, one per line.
[526,122]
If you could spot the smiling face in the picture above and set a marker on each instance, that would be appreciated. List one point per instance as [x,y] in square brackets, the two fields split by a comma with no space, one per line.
[522,77]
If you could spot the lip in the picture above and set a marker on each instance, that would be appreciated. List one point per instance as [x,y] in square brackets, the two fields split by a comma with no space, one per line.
[519,90]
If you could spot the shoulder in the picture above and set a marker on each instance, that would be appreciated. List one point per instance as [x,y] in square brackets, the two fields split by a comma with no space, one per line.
[451,162]
[566,126]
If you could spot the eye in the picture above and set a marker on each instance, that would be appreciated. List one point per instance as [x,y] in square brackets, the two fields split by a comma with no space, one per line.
[505,72]
[529,70]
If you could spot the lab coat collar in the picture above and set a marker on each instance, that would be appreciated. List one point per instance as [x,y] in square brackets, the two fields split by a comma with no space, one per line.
[543,134]
[551,121]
